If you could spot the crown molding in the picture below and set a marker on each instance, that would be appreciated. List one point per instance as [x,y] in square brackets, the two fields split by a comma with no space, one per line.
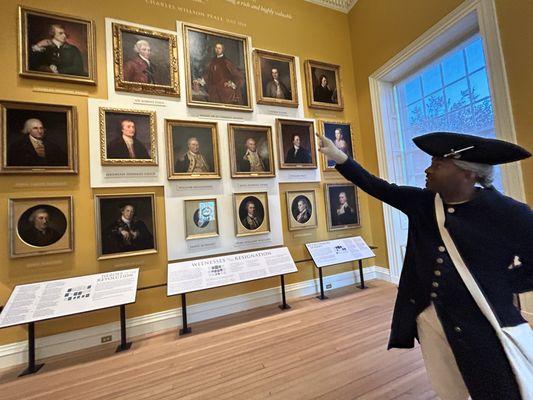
[339,5]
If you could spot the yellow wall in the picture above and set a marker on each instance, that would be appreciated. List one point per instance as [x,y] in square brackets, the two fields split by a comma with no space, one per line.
[379,29]
[302,36]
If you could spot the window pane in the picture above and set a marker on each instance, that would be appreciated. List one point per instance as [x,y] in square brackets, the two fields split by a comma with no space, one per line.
[435,105]
[484,116]
[457,95]
[453,67]
[431,79]
[479,84]
[415,114]
[413,90]
[474,56]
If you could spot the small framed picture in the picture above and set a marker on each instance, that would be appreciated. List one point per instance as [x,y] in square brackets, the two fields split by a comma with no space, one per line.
[296,144]
[340,133]
[342,206]
[301,210]
[275,79]
[201,218]
[38,138]
[56,46]
[192,150]
[127,137]
[40,226]
[146,61]
[217,70]
[251,213]
[251,151]
[323,82]
[125,225]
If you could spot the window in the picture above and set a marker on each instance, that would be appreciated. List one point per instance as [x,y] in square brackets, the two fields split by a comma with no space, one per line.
[450,94]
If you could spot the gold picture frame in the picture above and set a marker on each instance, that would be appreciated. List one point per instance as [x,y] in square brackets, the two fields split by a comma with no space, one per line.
[286,132]
[179,165]
[301,210]
[245,226]
[18,154]
[350,216]
[323,97]
[114,150]
[119,239]
[40,226]
[133,74]
[38,57]
[330,132]
[245,162]
[277,93]
[201,214]
[235,93]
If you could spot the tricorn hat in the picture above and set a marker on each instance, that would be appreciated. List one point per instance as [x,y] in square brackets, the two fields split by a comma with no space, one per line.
[470,148]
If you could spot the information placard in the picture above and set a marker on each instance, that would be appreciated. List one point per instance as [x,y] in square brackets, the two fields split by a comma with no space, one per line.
[188,276]
[51,299]
[338,251]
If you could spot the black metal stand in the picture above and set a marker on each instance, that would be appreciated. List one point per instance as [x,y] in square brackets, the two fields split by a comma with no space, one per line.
[32,367]
[124,344]
[284,305]
[185,329]
[361,277]
[322,295]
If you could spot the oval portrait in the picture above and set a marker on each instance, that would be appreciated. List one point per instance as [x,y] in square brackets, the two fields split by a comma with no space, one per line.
[251,213]
[42,225]
[301,209]
[203,215]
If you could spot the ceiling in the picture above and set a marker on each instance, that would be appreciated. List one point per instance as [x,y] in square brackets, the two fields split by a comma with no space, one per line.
[340,5]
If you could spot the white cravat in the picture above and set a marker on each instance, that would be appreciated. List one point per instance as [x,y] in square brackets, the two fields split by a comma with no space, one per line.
[145,59]
[38,145]
[129,145]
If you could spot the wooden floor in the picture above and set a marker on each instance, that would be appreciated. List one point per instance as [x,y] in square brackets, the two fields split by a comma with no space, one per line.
[333,349]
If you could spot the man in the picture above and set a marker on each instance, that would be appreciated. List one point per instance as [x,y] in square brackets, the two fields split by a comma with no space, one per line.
[223,79]
[252,161]
[141,69]
[463,354]
[127,233]
[126,146]
[304,213]
[250,221]
[34,149]
[192,161]
[344,213]
[322,92]
[297,154]
[56,55]
[277,89]
[39,233]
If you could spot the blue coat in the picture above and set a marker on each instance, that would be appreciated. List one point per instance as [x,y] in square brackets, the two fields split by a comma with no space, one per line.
[489,231]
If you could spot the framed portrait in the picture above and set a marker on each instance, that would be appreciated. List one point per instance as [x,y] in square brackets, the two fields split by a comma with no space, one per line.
[275,79]
[201,218]
[38,138]
[324,85]
[251,213]
[217,70]
[301,210]
[127,137]
[342,206]
[40,226]
[56,46]
[125,225]
[340,133]
[251,151]
[296,144]
[145,61]
[192,150]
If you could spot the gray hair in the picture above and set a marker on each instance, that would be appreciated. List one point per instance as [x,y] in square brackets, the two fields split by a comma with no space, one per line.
[140,43]
[484,172]
[34,214]
[28,123]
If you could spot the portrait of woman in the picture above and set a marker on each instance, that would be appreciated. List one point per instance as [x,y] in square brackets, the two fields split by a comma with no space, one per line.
[340,133]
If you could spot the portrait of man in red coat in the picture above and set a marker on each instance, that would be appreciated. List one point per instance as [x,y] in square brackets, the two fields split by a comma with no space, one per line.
[141,69]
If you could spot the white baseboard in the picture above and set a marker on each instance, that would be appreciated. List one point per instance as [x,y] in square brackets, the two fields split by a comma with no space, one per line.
[17,353]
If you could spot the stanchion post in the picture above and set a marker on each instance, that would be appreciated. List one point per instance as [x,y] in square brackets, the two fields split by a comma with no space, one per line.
[185,329]
[32,367]
[322,295]
[124,344]
[284,305]
[361,277]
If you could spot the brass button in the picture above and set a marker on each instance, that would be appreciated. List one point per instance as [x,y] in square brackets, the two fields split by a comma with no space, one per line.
[412,301]
[435,284]
[440,260]
[442,249]
[457,329]
[433,295]
[451,210]
[437,272]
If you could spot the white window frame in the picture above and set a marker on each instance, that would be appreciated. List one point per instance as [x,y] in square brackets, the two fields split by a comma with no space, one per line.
[471,16]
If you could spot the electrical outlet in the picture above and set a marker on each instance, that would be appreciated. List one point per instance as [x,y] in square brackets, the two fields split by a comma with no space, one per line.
[105,339]
[329,286]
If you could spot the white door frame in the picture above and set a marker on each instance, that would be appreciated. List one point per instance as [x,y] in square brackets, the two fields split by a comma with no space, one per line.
[469,17]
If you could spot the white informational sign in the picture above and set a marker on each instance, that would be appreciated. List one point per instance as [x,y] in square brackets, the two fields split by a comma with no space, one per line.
[51,299]
[188,276]
[339,251]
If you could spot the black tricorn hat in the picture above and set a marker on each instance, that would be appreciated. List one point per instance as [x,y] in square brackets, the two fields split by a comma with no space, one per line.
[470,148]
